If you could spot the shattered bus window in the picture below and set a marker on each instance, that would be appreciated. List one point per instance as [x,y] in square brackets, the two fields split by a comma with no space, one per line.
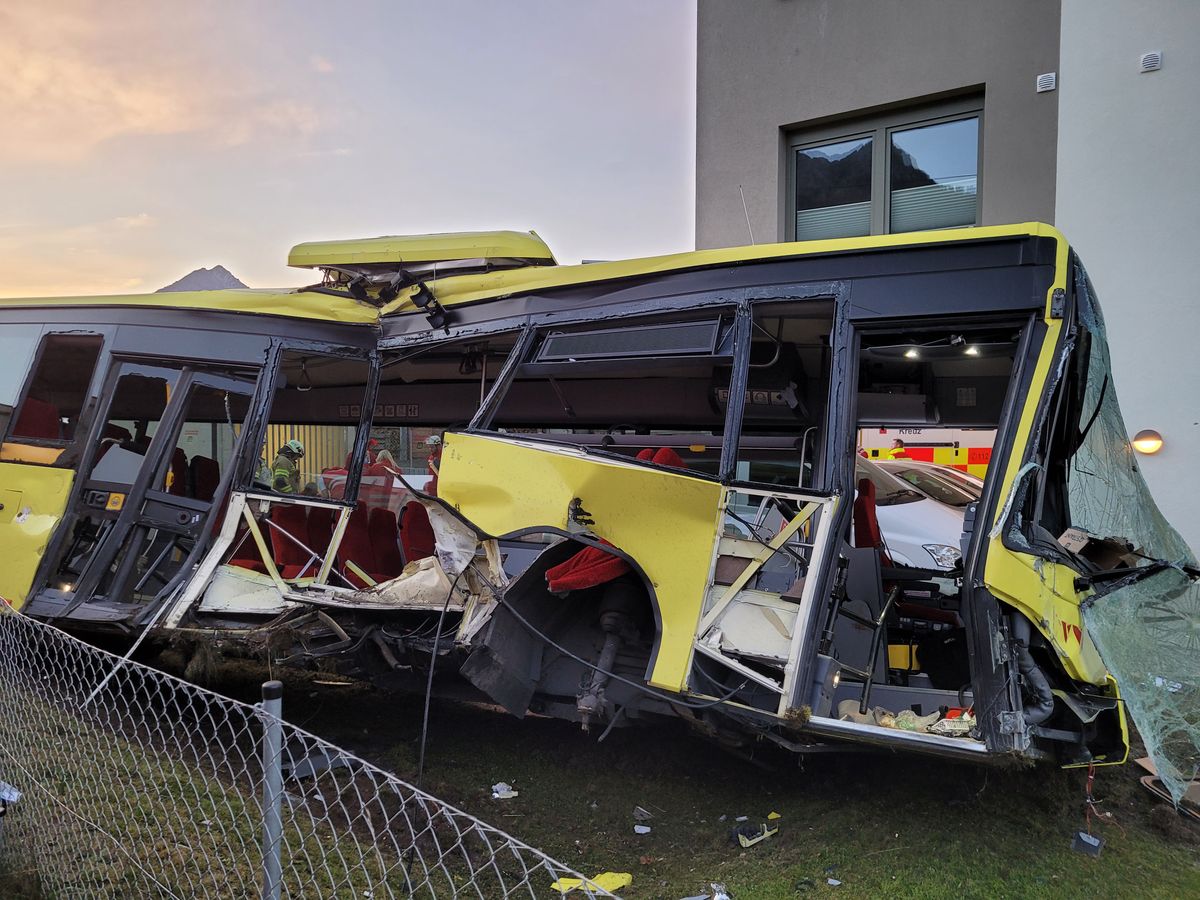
[1147,631]
[633,390]
[310,438]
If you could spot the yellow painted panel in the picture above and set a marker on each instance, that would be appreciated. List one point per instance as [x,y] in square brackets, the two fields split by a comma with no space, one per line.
[418,248]
[667,521]
[46,456]
[34,498]
[1042,590]
[470,288]
[290,304]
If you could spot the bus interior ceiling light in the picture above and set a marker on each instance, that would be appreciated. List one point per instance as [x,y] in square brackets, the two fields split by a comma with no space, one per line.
[912,353]
[1147,441]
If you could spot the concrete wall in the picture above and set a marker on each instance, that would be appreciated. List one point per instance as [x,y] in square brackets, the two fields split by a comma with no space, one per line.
[1129,200]
[766,65]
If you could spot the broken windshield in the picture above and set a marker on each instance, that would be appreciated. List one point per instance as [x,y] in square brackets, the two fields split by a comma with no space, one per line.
[1147,624]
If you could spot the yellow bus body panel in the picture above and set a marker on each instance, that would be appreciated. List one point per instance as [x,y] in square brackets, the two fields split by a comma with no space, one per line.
[666,521]
[1043,590]
[422,248]
[34,499]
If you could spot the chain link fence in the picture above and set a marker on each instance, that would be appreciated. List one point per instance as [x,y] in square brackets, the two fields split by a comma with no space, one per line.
[134,783]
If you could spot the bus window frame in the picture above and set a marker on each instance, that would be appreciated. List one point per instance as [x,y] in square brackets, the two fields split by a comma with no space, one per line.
[738,304]
[87,409]
[258,419]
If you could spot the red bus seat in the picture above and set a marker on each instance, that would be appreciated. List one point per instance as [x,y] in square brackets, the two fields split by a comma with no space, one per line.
[416,534]
[38,419]
[356,547]
[385,535]
[292,560]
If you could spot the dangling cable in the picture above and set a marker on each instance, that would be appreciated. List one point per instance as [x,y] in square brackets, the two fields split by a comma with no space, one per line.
[429,683]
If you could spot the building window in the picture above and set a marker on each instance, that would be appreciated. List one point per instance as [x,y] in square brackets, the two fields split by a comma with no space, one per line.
[911,170]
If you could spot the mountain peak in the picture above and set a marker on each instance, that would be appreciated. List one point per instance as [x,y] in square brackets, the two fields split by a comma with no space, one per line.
[215,279]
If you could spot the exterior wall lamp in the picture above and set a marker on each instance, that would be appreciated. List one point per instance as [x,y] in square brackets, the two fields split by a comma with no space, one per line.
[1147,441]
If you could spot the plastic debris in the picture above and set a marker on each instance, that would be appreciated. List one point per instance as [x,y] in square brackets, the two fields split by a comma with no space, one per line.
[641,829]
[833,882]
[773,815]
[907,720]
[720,892]
[642,814]
[742,819]
[605,881]
[313,764]
[503,791]
[723,818]
[749,835]
[8,793]
[1091,844]
[958,727]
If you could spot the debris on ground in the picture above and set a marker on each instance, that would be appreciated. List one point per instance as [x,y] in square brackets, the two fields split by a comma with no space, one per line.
[312,764]
[749,835]
[719,891]
[773,815]
[1189,804]
[642,814]
[833,882]
[741,819]
[502,790]
[641,829]
[1091,844]
[605,881]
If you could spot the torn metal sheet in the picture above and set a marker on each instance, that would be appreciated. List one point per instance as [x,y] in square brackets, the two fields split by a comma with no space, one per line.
[237,590]
[423,584]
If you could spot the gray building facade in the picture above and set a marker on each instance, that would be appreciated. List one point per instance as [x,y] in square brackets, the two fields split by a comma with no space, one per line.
[773,73]
[830,118]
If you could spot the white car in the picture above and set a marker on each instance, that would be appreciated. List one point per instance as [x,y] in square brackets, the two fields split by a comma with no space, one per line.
[917,529]
[941,483]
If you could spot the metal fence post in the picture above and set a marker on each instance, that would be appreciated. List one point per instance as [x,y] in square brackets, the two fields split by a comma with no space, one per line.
[272,752]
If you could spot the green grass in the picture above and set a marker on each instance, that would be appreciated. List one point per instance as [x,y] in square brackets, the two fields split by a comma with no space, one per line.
[883,824]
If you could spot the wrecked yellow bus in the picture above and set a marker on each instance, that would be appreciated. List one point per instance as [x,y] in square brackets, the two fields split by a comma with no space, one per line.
[622,490]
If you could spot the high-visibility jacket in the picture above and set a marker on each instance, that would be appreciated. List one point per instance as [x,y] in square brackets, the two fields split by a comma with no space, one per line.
[897,453]
[285,475]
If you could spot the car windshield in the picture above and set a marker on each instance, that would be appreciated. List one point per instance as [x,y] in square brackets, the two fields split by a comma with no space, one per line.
[934,485]
[889,490]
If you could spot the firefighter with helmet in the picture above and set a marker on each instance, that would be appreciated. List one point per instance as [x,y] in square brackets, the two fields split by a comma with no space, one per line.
[285,471]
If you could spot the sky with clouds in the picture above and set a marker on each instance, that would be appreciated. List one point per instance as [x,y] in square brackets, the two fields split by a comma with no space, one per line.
[146,139]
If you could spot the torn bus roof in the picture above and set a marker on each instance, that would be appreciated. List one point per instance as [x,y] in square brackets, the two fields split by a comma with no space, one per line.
[504,249]
[472,288]
[247,301]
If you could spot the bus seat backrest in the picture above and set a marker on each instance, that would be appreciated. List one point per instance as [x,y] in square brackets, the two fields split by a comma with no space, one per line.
[866,521]
[416,534]
[179,473]
[356,545]
[294,521]
[385,542]
[320,528]
[206,476]
[38,419]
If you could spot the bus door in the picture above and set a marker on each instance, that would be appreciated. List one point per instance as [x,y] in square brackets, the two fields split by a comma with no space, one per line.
[159,460]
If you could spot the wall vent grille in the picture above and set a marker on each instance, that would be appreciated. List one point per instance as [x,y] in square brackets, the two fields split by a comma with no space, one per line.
[1151,61]
[1047,82]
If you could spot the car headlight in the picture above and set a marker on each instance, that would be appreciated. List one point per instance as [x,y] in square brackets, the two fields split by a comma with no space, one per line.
[944,555]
